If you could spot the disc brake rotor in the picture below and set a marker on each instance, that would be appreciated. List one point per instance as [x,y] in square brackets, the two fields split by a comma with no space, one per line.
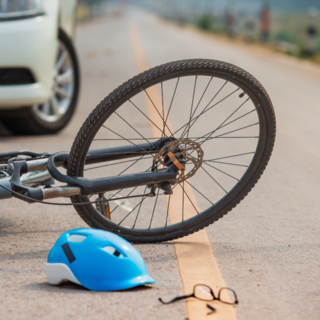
[186,151]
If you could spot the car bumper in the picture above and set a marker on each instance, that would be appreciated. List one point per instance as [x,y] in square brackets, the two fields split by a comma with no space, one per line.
[31,44]
[23,95]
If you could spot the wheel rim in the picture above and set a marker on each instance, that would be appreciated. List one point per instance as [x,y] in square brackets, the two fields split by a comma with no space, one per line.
[62,88]
[219,160]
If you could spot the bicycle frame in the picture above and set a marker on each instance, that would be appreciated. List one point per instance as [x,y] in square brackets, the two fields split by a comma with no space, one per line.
[25,176]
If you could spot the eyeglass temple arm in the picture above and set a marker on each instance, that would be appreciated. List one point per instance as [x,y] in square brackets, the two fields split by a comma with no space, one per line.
[177,298]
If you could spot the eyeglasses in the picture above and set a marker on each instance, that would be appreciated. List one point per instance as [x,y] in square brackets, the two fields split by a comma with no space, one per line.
[205,293]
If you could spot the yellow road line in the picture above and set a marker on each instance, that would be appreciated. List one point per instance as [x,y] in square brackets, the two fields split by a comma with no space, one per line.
[196,261]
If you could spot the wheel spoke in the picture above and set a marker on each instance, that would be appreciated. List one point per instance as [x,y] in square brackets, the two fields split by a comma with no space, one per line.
[199,191]
[219,127]
[124,138]
[223,134]
[133,128]
[61,60]
[135,221]
[132,210]
[237,118]
[233,156]
[231,164]
[221,171]
[174,93]
[128,138]
[164,123]
[161,116]
[62,92]
[183,189]
[115,208]
[205,90]
[46,108]
[214,179]
[126,196]
[183,133]
[146,116]
[155,203]
[205,110]
[55,105]
[243,137]
[65,78]
[131,165]
[113,164]
[168,206]
[182,201]
[194,91]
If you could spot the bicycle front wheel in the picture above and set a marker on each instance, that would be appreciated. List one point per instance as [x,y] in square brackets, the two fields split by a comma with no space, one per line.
[215,118]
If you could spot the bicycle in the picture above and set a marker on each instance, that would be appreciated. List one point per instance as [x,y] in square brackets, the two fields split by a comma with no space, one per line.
[155,169]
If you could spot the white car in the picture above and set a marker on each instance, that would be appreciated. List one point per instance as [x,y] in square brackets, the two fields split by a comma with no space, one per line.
[39,72]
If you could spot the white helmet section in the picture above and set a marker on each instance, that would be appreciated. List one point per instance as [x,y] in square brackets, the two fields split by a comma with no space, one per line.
[58,273]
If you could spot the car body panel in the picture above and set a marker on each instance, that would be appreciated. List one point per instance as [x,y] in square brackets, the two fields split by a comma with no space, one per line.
[67,17]
[32,44]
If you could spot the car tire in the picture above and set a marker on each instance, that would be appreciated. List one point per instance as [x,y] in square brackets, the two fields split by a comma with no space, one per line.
[28,120]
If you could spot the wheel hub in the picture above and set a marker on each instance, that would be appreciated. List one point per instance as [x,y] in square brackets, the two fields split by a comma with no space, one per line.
[186,154]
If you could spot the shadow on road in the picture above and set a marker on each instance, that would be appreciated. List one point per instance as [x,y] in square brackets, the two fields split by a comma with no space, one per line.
[66,287]
[4,132]
[70,287]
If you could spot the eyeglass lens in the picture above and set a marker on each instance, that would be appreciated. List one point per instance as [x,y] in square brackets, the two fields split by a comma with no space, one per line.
[203,292]
[227,296]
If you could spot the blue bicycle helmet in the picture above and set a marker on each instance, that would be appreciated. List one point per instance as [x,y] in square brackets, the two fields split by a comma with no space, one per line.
[96,259]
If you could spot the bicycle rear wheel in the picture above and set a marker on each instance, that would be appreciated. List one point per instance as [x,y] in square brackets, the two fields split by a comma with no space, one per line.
[218,120]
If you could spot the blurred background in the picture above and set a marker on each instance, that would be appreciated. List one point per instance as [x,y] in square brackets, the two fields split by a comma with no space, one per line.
[290,26]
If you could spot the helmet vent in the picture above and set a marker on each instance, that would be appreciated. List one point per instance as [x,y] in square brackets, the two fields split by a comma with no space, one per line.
[76,238]
[112,251]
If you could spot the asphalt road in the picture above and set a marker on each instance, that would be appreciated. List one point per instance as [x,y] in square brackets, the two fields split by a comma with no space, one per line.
[267,248]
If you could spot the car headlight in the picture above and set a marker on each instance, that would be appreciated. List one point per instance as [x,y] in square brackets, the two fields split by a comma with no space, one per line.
[20,9]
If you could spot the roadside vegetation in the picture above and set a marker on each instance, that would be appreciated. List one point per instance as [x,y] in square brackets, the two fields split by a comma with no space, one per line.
[287,34]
